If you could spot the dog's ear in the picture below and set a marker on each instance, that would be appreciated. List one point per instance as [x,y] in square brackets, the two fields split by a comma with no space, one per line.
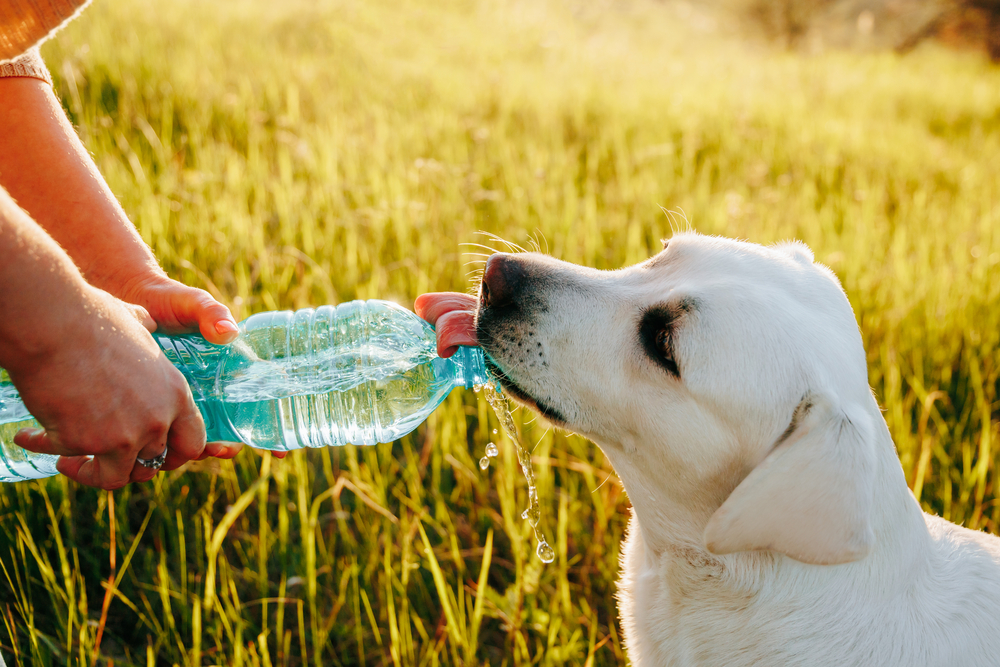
[811,497]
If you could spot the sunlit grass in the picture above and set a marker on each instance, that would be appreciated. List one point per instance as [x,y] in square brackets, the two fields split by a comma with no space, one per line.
[290,154]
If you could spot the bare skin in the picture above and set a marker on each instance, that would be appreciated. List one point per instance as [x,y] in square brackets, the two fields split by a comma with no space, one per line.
[48,172]
[86,366]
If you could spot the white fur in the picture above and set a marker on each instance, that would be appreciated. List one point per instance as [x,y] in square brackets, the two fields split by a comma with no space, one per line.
[751,542]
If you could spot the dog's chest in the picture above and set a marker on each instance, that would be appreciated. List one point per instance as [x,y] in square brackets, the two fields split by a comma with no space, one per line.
[681,608]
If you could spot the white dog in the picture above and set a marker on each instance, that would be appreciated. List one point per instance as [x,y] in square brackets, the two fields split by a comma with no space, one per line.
[772,524]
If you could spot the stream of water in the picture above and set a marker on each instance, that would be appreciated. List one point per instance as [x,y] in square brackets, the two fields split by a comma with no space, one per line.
[533,512]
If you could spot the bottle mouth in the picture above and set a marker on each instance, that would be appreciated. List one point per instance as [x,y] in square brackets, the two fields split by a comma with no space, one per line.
[472,361]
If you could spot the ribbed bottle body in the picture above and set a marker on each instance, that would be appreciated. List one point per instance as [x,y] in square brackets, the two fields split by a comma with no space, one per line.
[362,372]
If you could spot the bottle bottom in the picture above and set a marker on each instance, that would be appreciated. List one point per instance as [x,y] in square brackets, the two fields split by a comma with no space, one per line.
[18,464]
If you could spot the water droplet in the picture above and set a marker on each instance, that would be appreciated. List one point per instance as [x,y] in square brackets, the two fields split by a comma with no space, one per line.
[491,450]
[477,388]
[494,431]
[532,514]
[484,463]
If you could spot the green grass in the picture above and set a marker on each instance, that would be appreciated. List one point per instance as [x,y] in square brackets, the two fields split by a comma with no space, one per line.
[291,154]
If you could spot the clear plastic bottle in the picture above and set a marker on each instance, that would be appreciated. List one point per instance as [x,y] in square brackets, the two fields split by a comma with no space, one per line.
[362,372]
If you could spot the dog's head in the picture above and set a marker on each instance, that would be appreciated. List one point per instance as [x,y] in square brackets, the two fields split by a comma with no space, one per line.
[726,381]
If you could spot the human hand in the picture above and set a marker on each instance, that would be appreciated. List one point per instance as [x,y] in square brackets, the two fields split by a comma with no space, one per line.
[177,308]
[454,317]
[105,394]
[49,172]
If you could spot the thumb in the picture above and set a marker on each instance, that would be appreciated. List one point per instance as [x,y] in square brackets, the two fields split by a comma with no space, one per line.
[196,306]
[142,316]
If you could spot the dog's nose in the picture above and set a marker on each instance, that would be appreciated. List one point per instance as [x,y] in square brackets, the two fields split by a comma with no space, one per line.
[502,280]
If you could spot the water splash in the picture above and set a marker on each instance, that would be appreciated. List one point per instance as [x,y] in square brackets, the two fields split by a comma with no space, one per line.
[533,513]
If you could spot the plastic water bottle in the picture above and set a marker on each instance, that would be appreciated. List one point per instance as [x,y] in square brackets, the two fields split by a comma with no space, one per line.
[362,372]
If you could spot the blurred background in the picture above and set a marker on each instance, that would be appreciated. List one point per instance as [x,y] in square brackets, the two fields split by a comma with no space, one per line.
[284,155]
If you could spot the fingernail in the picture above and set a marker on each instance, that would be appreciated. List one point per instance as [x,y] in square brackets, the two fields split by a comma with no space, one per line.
[226,327]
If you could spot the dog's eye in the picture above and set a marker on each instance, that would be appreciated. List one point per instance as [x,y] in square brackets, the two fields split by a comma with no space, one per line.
[656,333]
[663,341]
[665,348]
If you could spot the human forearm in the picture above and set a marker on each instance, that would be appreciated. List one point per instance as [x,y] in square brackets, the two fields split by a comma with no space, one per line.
[46,169]
[86,368]
[41,291]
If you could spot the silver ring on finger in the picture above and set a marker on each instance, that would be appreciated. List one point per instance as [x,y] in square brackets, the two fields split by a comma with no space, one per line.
[154,463]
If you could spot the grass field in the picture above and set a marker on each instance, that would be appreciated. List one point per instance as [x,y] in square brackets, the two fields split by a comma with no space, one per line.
[298,153]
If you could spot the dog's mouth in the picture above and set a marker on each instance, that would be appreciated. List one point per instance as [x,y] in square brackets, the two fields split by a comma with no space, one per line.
[513,390]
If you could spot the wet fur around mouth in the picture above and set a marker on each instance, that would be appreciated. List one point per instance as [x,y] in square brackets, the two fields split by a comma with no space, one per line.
[512,389]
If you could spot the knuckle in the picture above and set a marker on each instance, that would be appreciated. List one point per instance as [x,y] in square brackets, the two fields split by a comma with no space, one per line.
[123,447]
[203,297]
[157,429]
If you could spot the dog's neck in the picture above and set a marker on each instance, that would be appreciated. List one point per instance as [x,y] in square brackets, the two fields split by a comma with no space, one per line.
[670,511]
[672,508]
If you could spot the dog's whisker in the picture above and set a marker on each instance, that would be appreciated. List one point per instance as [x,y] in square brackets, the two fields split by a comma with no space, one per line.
[492,250]
[675,215]
[510,244]
[607,478]
[541,437]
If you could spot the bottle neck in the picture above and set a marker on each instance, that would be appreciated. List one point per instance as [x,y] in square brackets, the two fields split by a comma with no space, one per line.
[472,367]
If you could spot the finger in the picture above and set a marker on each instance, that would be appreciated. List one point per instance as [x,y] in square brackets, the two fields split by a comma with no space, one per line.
[221,450]
[432,306]
[455,328]
[173,461]
[34,440]
[70,465]
[102,472]
[186,438]
[40,441]
[198,307]
[141,473]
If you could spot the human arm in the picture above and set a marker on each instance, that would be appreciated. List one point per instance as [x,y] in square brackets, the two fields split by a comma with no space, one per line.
[47,170]
[86,367]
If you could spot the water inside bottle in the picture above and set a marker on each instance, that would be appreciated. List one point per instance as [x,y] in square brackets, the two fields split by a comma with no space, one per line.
[250,379]
[533,513]
[378,409]
[15,463]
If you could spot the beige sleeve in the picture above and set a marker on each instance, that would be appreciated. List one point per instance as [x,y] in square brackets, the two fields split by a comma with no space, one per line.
[30,64]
